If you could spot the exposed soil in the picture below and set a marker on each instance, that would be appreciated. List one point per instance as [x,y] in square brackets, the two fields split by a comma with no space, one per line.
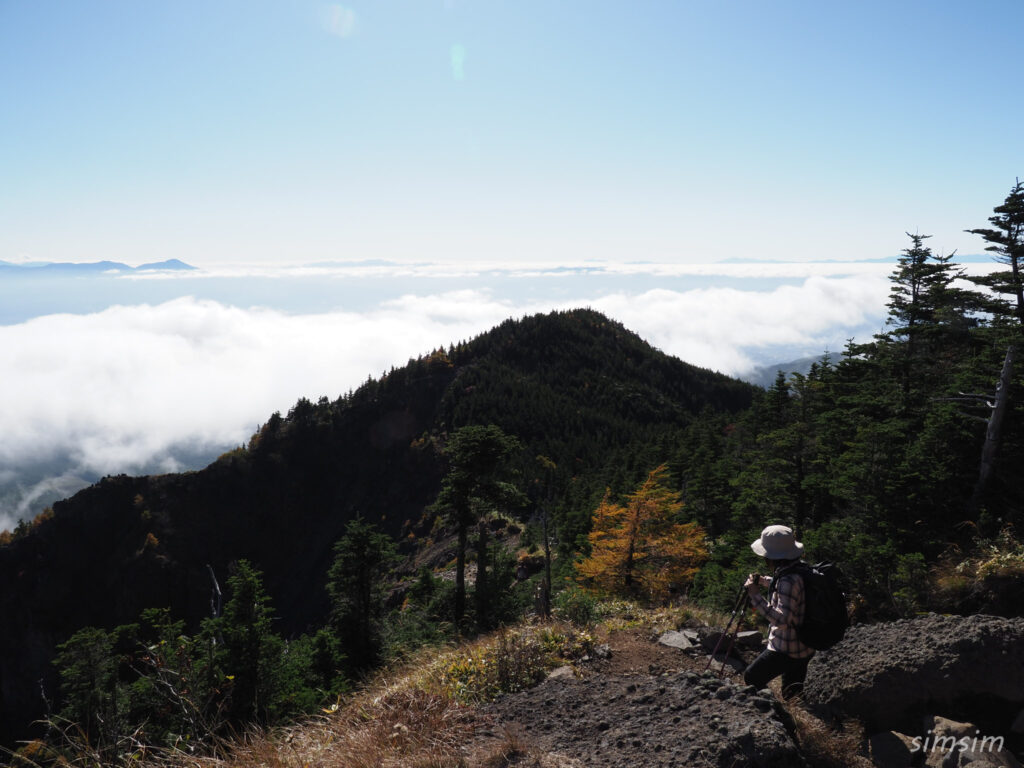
[636,652]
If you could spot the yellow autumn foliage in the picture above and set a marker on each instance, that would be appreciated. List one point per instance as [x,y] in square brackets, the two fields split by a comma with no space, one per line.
[639,548]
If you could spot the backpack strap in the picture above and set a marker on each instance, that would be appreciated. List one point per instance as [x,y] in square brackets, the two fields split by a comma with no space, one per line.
[799,568]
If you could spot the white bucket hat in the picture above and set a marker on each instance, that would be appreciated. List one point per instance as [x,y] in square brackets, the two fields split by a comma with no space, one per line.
[777,542]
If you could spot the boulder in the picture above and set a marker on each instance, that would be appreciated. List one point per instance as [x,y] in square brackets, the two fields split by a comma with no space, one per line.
[751,639]
[562,672]
[891,749]
[713,640]
[716,663]
[889,675]
[680,640]
[603,651]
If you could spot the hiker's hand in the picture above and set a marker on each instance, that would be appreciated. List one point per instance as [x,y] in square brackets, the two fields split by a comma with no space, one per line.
[751,583]
[766,581]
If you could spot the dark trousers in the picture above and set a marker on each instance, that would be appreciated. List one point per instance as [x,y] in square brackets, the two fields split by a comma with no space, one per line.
[770,664]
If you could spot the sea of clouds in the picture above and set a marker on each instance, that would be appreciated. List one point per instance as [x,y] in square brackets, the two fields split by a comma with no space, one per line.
[153,387]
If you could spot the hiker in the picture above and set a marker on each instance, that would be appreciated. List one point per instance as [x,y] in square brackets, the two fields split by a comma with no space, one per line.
[784,609]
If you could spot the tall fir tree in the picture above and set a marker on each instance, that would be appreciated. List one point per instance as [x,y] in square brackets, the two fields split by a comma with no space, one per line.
[251,651]
[1006,241]
[477,484]
[363,557]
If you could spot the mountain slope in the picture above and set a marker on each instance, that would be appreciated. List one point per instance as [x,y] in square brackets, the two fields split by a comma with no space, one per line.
[573,386]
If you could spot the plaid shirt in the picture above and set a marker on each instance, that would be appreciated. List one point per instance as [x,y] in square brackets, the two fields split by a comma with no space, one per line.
[785,613]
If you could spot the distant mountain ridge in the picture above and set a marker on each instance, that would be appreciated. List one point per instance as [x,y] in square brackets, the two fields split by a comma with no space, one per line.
[90,267]
[764,375]
[572,386]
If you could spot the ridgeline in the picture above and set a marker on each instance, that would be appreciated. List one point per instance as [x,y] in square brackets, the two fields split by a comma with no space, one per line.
[573,386]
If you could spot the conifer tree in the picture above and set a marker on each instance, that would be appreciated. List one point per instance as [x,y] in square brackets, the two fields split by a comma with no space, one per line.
[88,684]
[1006,238]
[251,651]
[362,557]
[476,484]
[771,481]
[706,468]
[1006,241]
[926,313]
[641,548]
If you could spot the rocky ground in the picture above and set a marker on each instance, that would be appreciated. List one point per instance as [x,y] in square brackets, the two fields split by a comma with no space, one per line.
[644,703]
[679,719]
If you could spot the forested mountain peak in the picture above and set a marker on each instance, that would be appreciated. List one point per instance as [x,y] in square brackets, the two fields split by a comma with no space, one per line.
[572,386]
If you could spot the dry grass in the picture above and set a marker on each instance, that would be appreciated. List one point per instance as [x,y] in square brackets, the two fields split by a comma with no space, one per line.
[615,615]
[824,745]
[990,567]
[513,750]
[419,715]
[401,729]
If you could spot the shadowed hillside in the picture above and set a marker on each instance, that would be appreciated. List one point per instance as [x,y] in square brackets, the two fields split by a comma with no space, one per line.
[573,386]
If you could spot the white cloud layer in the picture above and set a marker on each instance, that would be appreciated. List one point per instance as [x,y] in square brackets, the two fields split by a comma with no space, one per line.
[521,268]
[718,328]
[128,387]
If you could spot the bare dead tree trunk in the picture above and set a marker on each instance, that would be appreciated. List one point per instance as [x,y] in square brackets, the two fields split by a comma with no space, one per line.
[460,574]
[480,585]
[215,594]
[546,581]
[216,605]
[992,433]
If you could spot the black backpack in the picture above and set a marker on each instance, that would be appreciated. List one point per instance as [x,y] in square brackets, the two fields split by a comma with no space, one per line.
[825,614]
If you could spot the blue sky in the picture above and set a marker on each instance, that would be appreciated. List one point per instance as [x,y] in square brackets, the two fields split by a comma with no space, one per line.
[446,165]
[222,132]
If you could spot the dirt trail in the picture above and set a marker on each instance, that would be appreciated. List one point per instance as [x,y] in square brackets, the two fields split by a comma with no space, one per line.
[645,704]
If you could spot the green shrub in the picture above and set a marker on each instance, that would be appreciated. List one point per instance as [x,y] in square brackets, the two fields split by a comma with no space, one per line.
[575,605]
[508,661]
[425,619]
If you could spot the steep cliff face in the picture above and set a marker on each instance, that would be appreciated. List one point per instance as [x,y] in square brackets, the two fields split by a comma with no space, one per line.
[573,386]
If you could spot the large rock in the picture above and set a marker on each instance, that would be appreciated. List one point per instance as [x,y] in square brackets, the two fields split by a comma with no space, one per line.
[890,675]
[679,720]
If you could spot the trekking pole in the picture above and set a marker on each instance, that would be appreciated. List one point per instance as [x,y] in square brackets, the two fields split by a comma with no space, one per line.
[732,639]
[740,600]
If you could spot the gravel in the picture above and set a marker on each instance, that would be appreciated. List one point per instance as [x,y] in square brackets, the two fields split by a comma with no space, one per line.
[673,719]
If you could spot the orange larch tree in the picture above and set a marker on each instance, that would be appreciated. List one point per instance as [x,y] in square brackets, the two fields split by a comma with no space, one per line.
[640,548]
